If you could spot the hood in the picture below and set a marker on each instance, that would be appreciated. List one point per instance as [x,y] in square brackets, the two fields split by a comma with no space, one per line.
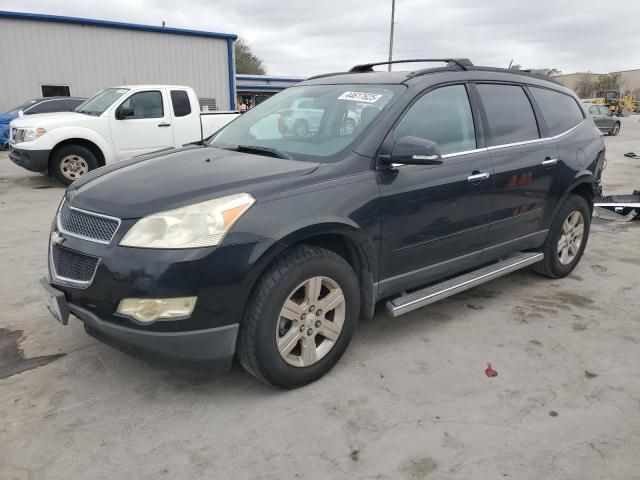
[7,117]
[139,186]
[44,120]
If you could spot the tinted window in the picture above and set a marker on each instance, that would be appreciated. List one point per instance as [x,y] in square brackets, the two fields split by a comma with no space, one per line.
[56,91]
[48,106]
[594,110]
[72,103]
[180,102]
[560,111]
[442,116]
[145,105]
[509,113]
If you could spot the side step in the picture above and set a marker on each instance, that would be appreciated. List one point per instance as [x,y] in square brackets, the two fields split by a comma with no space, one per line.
[406,303]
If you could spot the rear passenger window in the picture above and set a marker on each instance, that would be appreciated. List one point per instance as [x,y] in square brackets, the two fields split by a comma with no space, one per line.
[509,113]
[442,116]
[180,102]
[593,110]
[561,112]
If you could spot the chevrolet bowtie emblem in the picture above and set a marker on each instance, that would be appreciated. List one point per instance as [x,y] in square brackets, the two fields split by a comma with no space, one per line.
[56,238]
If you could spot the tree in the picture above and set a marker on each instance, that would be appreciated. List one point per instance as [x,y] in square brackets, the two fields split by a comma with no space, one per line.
[586,86]
[610,81]
[248,62]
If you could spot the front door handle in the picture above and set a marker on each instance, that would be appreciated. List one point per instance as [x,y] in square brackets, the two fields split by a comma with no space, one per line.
[549,162]
[477,177]
[164,124]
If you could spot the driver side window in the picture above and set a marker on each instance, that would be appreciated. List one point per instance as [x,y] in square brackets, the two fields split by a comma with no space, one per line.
[442,116]
[145,105]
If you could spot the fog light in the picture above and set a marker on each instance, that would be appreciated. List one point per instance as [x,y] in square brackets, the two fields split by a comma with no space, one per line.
[150,309]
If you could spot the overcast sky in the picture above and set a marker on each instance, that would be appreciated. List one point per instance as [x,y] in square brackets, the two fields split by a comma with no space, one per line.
[298,37]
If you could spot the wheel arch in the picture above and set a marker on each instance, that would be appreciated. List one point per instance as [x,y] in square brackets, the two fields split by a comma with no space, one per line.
[83,142]
[343,239]
[583,185]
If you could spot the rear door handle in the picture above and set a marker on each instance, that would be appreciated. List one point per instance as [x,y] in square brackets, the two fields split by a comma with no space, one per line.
[164,124]
[549,162]
[477,177]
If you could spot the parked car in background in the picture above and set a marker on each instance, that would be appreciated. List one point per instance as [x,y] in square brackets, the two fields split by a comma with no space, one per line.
[302,118]
[270,247]
[605,119]
[37,105]
[115,124]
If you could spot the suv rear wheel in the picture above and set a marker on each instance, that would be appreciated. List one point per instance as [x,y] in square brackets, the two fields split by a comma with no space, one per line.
[301,317]
[71,162]
[567,238]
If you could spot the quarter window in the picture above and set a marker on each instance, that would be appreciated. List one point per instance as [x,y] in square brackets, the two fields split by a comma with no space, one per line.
[442,116]
[561,112]
[145,105]
[180,102]
[510,116]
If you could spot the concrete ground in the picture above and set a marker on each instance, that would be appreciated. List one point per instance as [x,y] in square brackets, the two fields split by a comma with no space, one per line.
[409,400]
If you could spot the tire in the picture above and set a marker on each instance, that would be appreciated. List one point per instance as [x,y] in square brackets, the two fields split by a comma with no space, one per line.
[553,266]
[348,128]
[615,130]
[300,128]
[263,328]
[70,162]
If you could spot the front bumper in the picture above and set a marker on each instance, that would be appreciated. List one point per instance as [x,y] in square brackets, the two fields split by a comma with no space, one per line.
[32,160]
[209,349]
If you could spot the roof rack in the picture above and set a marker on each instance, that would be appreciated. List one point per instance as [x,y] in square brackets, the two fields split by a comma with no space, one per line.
[463,63]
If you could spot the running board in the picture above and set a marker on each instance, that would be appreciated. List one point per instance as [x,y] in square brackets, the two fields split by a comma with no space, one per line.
[406,303]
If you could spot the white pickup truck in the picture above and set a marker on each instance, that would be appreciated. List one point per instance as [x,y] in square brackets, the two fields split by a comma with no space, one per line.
[115,124]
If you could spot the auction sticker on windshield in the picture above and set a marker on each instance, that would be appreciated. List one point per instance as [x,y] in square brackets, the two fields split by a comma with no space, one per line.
[365,97]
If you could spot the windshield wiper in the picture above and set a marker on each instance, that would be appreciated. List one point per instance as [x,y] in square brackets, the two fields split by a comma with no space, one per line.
[270,152]
[86,112]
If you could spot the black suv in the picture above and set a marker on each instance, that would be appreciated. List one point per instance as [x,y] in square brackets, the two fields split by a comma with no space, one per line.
[269,243]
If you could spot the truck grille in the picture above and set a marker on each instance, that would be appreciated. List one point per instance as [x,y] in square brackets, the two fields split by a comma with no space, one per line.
[87,225]
[73,266]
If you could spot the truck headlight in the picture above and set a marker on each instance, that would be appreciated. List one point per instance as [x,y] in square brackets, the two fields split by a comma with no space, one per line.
[199,225]
[31,134]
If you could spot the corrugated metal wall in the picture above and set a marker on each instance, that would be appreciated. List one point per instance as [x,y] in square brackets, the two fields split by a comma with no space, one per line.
[90,58]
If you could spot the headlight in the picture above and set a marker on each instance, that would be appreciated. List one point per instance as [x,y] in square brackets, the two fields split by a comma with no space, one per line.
[199,225]
[31,134]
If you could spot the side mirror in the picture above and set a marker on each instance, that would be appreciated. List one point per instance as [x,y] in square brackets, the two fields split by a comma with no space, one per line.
[124,113]
[415,151]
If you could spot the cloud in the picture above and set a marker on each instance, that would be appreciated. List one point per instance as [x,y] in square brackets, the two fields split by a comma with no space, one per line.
[308,37]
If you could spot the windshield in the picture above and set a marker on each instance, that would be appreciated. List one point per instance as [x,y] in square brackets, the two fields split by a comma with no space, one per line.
[22,107]
[313,121]
[97,104]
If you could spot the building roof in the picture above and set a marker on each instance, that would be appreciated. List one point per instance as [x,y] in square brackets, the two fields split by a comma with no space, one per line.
[109,24]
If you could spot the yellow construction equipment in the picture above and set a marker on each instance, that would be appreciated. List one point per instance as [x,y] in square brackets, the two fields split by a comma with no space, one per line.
[621,105]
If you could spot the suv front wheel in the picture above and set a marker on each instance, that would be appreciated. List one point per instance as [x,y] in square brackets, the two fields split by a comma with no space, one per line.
[301,317]
[567,238]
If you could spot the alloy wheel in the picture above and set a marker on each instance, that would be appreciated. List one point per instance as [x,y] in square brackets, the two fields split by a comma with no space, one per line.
[310,321]
[571,237]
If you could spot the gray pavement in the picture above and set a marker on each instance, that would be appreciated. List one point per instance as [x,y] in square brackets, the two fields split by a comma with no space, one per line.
[409,400]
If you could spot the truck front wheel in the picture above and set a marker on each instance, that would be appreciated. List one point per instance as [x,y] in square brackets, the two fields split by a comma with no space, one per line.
[70,162]
[300,318]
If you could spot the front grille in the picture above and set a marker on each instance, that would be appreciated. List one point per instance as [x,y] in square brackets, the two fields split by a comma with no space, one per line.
[69,265]
[87,225]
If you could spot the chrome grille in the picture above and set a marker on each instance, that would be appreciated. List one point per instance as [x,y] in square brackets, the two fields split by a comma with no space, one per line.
[87,225]
[73,266]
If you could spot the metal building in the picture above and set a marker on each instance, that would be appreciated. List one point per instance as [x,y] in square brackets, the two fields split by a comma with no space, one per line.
[46,55]
[255,89]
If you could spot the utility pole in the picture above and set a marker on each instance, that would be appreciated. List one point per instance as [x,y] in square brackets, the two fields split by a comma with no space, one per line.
[393,14]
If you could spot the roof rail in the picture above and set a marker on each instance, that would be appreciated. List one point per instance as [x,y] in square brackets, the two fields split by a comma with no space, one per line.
[463,63]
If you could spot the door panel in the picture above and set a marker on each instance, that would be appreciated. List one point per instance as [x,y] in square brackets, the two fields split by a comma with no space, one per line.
[148,130]
[433,214]
[523,185]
